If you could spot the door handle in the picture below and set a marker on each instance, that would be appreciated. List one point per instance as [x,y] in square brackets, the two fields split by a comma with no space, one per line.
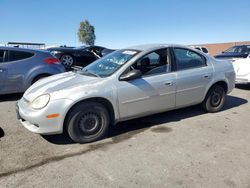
[168,83]
[206,76]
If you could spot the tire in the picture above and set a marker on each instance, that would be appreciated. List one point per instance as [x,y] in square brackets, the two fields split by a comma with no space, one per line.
[1,133]
[215,99]
[67,60]
[87,122]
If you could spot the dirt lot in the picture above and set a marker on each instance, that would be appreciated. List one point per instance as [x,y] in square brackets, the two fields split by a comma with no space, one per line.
[182,148]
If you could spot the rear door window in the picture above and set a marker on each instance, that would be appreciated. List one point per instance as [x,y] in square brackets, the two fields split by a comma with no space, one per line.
[187,59]
[18,55]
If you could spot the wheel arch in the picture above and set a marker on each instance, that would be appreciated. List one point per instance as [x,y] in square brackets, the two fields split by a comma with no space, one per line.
[34,74]
[105,102]
[221,83]
[40,76]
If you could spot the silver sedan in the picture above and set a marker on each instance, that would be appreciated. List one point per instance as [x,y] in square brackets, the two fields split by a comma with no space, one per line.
[123,85]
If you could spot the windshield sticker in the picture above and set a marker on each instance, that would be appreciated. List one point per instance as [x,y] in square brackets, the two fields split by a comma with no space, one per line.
[129,52]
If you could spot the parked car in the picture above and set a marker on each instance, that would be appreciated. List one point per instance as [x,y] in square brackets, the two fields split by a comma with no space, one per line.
[19,68]
[242,70]
[81,56]
[235,52]
[125,84]
[201,48]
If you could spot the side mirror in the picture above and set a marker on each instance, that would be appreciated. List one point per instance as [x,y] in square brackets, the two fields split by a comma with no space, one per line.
[131,75]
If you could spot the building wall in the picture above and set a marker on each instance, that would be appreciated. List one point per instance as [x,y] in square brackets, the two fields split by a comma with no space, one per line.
[217,48]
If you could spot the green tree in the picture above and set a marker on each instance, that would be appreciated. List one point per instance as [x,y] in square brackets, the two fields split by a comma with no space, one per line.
[86,33]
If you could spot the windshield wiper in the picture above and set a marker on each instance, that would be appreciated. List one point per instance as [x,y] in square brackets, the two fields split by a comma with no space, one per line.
[87,72]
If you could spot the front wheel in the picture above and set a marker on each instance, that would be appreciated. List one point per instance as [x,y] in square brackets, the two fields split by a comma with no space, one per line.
[87,122]
[215,99]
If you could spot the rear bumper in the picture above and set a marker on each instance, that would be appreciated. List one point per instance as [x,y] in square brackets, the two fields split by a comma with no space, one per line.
[242,80]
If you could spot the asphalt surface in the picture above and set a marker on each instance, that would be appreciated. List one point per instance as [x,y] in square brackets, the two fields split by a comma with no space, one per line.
[182,148]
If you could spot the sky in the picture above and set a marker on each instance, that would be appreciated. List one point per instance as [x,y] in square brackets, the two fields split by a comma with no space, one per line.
[122,23]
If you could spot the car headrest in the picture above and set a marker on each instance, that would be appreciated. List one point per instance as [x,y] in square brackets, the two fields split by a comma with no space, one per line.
[145,61]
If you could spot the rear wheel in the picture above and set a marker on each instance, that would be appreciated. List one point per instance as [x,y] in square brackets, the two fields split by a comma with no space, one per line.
[67,60]
[215,99]
[87,122]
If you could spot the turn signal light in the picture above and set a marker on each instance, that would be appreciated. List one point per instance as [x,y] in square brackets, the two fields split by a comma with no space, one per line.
[50,116]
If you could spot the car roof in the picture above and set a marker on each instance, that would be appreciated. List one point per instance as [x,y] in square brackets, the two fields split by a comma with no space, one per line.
[241,45]
[147,47]
[23,49]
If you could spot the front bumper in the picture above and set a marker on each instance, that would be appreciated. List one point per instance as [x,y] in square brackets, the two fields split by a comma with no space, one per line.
[36,121]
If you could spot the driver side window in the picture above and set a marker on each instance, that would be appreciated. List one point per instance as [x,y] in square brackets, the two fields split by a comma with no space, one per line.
[156,62]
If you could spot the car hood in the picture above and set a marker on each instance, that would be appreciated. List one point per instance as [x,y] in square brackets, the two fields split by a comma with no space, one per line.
[58,83]
[242,67]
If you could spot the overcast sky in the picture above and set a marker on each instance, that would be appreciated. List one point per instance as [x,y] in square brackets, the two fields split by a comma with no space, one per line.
[121,23]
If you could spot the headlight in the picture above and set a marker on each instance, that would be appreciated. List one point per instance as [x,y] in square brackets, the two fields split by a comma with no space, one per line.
[41,101]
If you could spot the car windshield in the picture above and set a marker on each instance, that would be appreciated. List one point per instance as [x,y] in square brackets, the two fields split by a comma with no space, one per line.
[232,49]
[109,64]
[235,49]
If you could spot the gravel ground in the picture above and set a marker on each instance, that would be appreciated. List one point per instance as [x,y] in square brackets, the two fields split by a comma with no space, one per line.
[181,148]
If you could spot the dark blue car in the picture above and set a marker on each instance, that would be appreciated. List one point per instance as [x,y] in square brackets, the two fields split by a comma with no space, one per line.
[241,51]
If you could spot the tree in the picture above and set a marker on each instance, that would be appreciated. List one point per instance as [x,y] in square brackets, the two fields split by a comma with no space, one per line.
[86,33]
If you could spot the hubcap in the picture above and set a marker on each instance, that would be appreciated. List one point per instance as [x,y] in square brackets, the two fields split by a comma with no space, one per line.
[90,123]
[216,98]
[67,60]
